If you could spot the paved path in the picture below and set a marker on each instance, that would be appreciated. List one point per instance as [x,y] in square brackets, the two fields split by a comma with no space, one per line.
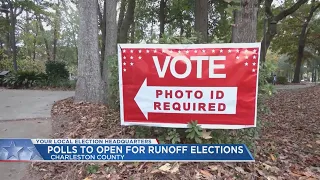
[25,104]
[292,87]
[16,105]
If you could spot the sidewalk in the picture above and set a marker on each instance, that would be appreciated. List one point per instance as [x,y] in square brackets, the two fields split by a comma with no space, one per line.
[290,86]
[25,114]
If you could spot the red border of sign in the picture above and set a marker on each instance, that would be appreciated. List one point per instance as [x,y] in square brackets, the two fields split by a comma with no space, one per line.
[185,46]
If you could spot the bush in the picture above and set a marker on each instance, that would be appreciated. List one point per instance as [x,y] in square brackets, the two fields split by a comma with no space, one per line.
[28,79]
[56,71]
[24,79]
[113,83]
[270,79]
[282,80]
[23,65]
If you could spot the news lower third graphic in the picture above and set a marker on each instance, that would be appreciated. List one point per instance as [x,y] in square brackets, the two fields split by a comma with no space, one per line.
[18,150]
[118,150]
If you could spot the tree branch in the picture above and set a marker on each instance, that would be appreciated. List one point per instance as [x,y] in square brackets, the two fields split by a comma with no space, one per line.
[268,8]
[290,10]
[315,8]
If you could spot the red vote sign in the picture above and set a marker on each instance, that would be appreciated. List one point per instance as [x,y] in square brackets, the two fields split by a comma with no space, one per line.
[169,85]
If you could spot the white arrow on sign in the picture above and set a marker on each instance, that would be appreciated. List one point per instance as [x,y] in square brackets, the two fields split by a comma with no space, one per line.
[157,99]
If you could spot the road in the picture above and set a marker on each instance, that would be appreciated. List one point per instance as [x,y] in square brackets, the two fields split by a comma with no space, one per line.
[25,114]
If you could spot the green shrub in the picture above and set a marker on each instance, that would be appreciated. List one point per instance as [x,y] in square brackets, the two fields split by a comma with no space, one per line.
[282,80]
[113,83]
[23,65]
[24,79]
[56,71]
[270,79]
[28,79]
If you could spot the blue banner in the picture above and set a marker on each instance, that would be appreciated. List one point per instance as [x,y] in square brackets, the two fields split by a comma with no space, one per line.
[64,150]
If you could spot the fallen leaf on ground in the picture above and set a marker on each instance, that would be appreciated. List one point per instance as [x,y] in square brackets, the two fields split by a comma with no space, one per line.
[136,164]
[274,169]
[309,174]
[240,170]
[261,173]
[272,157]
[206,134]
[197,175]
[266,166]
[206,174]
[272,178]
[115,177]
[155,171]
[165,167]
[309,145]
[213,168]
[175,168]
[276,137]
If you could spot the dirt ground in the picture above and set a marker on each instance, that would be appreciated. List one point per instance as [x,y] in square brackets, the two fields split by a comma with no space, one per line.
[288,146]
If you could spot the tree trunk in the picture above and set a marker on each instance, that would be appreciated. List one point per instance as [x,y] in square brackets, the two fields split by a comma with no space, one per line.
[35,41]
[246,22]
[133,29]
[201,19]
[121,16]
[8,43]
[302,43]
[188,29]
[1,47]
[89,87]
[56,30]
[162,17]
[128,20]
[103,31]
[296,77]
[181,27]
[13,36]
[151,30]
[272,24]
[313,76]
[233,25]
[27,26]
[111,39]
[266,41]
[46,43]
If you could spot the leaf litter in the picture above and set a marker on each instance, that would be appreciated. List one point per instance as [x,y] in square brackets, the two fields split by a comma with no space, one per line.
[288,146]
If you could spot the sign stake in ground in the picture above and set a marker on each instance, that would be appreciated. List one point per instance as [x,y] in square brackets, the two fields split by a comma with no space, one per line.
[169,85]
